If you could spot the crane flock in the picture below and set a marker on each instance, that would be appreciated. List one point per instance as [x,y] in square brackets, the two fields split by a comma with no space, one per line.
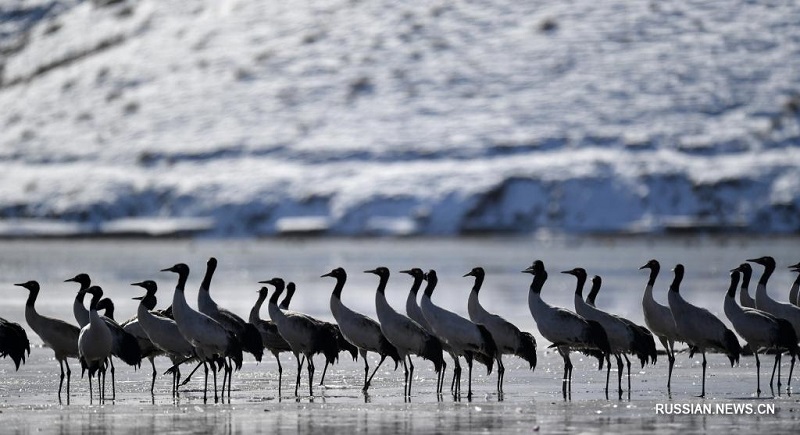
[216,338]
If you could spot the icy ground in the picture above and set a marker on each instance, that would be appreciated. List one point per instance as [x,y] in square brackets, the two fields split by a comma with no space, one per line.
[356,117]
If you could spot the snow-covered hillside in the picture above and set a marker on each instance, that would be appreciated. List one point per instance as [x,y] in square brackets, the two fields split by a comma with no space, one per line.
[360,117]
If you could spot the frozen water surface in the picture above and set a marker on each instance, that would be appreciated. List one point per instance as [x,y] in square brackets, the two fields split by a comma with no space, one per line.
[532,400]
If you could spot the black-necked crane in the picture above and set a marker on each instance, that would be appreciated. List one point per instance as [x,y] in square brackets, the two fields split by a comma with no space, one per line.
[699,328]
[565,329]
[361,331]
[124,345]
[508,338]
[132,327]
[745,299]
[465,338]
[211,340]
[406,335]
[270,337]
[648,352]
[248,335]
[162,332]
[643,344]
[781,310]
[13,342]
[620,336]
[56,334]
[305,334]
[759,329]
[766,303]
[659,320]
[414,312]
[94,343]
[341,342]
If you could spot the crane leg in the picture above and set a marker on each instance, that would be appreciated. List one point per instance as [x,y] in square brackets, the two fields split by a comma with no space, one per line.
[440,379]
[669,347]
[455,384]
[789,380]
[299,370]
[189,378]
[369,381]
[153,382]
[280,372]
[310,375]
[758,370]
[620,369]
[628,364]
[101,392]
[608,373]
[410,375]
[501,370]
[205,385]
[774,368]
[61,380]
[703,394]
[564,351]
[113,382]
[468,357]
[214,373]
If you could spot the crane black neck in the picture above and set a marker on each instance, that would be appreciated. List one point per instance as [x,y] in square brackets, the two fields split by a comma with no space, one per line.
[734,284]
[337,290]
[768,269]
[432,281]
[210,268]
[579,286]
[183,276]
[95,299]
[676,282]
[654,269]
[746,274]
[278,290]
[288,298]
[593,292]
[476,287]
[149,301]
[538,282]
[415,286]
[383,280]
[32,295]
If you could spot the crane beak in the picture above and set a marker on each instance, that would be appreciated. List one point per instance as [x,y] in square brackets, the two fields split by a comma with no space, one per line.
[327,274]
[138,298]
[375,271]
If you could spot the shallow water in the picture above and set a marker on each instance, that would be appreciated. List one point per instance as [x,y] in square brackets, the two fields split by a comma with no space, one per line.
[532,400]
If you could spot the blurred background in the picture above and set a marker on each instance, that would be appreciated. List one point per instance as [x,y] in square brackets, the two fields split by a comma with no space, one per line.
[347,117]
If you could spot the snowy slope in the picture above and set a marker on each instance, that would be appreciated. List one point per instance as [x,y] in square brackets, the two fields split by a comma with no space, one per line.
[380,117]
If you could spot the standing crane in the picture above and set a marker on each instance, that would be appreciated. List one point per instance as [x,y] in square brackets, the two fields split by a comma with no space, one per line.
[56,334]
